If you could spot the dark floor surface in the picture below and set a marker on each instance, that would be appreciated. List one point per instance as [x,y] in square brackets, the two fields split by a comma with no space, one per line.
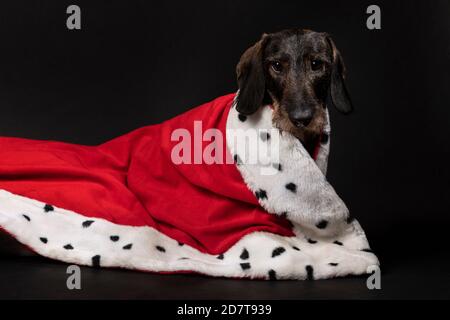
[39,278]
[415,264]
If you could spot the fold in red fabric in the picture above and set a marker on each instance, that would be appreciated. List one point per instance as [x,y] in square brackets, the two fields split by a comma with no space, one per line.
[132,180]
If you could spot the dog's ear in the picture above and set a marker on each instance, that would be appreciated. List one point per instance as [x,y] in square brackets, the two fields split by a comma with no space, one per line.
[251,79]
[338,91]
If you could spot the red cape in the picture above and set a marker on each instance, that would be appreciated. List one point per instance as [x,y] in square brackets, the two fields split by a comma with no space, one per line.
[131,180]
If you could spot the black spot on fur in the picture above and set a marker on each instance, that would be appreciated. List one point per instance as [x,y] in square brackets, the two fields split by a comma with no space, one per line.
[237,159]
[272,274]
[68,247]
[87,223]
[367,250]
[309,272]
[245,266]
[96,261]
[48,208]
[180,243]
[242,117]
[277,251]
[160,249]
[220,256]
[350,219]
[312,241]
[324,138]
[184,258]
[244,255]
[261,194]
[43,240]
[338,243]
[26,217]
[128,246]
[277,166]
[283,215]
[114,238]
[291,187]
[333,264]
[295,248]
[322,224]
[264,136]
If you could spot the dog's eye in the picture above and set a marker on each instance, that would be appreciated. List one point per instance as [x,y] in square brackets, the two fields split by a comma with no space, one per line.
[316,64]
[276,66]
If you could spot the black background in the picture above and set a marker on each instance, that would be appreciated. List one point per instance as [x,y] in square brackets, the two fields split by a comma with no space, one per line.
[135,63]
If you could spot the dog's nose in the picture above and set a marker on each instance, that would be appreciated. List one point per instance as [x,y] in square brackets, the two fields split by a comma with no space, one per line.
[301,117]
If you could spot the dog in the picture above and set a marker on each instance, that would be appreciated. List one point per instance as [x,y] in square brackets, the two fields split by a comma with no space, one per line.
[299,72]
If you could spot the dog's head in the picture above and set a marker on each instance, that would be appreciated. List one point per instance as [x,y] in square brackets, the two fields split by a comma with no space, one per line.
[299,72]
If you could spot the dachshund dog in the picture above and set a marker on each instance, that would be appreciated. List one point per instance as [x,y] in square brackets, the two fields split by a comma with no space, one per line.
[299,72]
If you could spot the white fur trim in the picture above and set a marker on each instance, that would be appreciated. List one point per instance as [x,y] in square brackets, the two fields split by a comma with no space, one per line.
[299,190]
[60,228]
[314,198]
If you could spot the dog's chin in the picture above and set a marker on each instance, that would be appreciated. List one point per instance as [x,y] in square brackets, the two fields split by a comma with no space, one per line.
[314,128]
[308,135]
[303,133]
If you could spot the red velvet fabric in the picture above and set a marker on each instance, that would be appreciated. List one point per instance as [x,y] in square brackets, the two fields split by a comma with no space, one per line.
[131,180]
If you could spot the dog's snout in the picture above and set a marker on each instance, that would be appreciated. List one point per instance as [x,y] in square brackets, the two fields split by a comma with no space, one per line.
[301,116]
